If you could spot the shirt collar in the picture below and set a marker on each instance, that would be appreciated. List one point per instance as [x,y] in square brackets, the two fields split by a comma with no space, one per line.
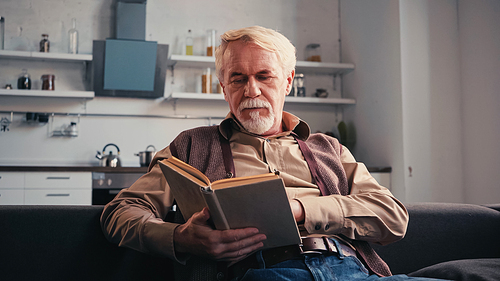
[291,123]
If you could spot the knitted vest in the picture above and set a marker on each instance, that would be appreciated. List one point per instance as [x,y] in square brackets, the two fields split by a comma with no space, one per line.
[206,149]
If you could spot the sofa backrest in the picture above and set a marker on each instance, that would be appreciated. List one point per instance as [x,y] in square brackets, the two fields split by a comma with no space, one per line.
[67,243]
[439,232]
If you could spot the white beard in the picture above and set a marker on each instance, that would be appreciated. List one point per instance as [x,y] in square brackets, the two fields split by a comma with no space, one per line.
[256,124]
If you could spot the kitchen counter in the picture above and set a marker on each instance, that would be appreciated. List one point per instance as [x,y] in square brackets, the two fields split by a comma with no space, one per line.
[98,169]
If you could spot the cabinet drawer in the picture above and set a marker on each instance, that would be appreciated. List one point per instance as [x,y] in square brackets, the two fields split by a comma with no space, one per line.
[58,197]
[11,197]
[12,180]
[53,180]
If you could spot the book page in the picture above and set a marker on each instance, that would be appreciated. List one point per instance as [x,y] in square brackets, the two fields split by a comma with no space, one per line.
[186,169]
[224,183]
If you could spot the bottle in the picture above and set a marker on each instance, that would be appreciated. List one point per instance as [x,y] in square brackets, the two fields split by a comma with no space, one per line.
[24,81]
[211,42]
[73,38]
[189,44]
[2,32]
[206,82]
[45,43]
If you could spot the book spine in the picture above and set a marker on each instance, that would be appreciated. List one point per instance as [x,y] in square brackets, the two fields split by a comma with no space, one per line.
[215,209]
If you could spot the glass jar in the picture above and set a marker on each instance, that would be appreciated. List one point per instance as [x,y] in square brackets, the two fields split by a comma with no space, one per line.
[45,43]
[48,82]
[211,42]
[313,52]
[206,82]
[24,81]
[299,89]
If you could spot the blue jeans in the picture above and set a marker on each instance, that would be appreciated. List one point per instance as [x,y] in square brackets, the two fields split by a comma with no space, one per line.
[317,268]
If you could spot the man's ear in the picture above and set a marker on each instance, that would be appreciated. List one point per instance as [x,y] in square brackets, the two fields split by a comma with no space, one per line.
[289,81]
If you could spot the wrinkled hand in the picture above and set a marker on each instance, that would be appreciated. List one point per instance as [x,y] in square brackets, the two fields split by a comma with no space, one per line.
[198,238]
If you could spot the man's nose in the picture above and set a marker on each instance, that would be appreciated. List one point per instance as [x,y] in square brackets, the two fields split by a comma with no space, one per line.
[252,88]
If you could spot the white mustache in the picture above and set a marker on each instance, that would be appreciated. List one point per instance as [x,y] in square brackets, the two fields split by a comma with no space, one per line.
[252,103]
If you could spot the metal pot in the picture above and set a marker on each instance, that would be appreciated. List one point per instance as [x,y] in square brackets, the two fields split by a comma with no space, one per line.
[146,156]
[109,160]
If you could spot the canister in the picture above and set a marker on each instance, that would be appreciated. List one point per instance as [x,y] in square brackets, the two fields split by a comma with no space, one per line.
[48,82]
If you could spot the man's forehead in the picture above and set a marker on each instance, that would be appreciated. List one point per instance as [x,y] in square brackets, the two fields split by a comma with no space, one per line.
[244,57]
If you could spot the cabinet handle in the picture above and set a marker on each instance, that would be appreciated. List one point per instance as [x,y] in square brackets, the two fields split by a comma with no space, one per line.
[113,192]
[58,178]
[57,195]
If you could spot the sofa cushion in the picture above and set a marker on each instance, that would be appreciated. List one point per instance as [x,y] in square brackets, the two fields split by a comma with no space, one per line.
[463,270]
[440,232]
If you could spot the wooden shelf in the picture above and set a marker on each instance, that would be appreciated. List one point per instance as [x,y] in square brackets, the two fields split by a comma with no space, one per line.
[40,93]
[301,66]
[310,100]
[45,56]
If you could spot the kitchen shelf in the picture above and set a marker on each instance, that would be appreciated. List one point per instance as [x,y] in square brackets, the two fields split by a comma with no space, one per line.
[301,66]
[310,100]
[43,93]
[45,56]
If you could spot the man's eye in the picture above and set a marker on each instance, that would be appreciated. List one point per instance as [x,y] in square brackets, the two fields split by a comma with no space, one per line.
[238,81]
[263,78]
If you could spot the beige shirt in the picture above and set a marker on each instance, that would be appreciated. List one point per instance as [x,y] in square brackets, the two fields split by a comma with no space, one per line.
[370,212]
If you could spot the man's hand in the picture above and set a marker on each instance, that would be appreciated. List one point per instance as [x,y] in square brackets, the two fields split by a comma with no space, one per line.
[198,238]
[297,210]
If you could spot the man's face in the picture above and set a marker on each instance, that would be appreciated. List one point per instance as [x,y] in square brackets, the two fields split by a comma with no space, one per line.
[255,87]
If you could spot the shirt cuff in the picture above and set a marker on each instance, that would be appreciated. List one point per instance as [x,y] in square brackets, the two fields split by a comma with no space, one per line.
[158,238]
[323,215]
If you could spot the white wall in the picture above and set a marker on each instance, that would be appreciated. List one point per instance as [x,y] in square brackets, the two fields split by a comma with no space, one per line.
[370,39]
[429,77]
[303,21]
[431,91]
[480,68]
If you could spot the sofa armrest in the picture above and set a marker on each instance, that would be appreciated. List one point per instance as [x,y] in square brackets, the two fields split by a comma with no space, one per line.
[439,232]
[67,243]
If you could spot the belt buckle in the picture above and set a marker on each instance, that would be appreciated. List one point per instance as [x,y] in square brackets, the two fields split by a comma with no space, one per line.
[302,252]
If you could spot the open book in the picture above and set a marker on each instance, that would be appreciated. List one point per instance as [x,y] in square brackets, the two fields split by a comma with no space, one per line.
[256,201]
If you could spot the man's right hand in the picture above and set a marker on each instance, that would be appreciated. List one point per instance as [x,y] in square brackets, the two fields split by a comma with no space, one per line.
[198,238]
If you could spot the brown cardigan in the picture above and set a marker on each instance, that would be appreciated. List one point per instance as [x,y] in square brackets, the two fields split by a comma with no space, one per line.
[205,149]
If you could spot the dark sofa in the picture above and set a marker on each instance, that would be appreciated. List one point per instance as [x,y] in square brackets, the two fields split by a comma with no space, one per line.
[66,243]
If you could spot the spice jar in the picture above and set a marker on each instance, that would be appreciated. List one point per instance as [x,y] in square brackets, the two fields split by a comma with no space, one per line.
[313,52]
[48,82]
[45,43]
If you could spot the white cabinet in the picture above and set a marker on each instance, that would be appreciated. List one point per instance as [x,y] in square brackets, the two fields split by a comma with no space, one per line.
[45,188]
[11,188]
[67,196]
[58,188]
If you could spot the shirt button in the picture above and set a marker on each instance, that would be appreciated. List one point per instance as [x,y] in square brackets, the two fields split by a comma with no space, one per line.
[229,175]
[220,276]
[318,226]
[327,227]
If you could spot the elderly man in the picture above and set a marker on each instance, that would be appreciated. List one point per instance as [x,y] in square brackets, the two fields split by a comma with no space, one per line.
[337,205]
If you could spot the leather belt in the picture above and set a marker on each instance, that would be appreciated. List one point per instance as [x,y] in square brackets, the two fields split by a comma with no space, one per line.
[310,245]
